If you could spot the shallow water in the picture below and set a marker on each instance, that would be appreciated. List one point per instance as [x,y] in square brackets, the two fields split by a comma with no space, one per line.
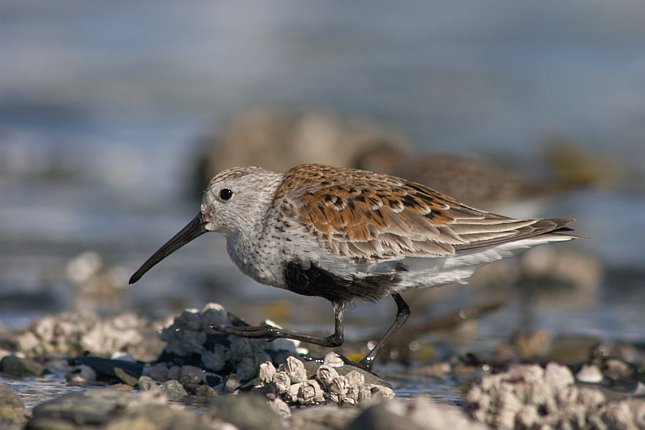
[102,107]
[33,391]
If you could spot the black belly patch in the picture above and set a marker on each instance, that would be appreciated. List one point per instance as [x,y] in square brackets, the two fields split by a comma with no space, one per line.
[315,281]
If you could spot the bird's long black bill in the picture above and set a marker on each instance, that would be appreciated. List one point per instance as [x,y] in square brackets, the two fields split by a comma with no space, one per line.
[194,229]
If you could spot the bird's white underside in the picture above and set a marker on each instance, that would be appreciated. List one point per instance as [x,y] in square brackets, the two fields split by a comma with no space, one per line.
[421,272]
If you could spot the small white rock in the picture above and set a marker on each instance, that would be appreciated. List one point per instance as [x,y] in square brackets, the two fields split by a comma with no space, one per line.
[333,360]
[589,373]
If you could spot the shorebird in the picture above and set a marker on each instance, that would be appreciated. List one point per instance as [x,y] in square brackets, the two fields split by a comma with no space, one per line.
[347,234]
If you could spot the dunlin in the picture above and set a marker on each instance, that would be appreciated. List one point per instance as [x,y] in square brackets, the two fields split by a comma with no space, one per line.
[346,234]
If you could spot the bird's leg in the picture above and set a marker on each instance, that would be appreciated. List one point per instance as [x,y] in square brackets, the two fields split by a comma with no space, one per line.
[402,314]
[269,332]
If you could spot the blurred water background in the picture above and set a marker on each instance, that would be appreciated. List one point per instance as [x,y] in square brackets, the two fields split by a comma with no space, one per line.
[104,106]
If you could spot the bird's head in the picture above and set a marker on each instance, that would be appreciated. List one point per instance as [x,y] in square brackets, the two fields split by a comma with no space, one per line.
[235,201]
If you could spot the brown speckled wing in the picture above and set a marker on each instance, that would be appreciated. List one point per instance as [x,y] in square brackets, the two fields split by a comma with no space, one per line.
[370,216]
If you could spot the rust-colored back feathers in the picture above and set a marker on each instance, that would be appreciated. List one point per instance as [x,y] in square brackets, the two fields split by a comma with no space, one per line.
[372,216]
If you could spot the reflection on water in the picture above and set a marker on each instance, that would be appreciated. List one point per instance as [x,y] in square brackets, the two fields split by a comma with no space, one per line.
[102,106]
[37,390]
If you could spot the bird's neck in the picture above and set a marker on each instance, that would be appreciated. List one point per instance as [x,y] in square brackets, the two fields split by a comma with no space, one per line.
[244,245]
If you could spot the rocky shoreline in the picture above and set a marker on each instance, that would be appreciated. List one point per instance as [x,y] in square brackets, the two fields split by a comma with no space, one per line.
[141,374]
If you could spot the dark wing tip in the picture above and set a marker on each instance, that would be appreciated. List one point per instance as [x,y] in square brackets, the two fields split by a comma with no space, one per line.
[555,225]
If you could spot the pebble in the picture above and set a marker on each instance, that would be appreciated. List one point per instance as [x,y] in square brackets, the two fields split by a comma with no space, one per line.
[617,370]
[162,417]
[20,367]
[146,383]
[174,390]
[589,373]
[280,407]
[323,417]
[205,391]
[13,414]
[95,407]
[158,372]
[431,415]
[377,417]
[333,360]
[418,413]
[191,375]
[125,377]
[245,411]
[109,409]
[174,372]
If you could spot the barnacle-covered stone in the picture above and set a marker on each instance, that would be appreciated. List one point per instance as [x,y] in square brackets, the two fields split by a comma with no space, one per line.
[266,373]
[295,369]
[281,381]
[310,392]
[529,396]
[292,392]
[326,375]
[338,389]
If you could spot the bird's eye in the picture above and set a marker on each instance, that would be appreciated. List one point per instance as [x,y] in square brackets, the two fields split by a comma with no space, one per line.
[225,194]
